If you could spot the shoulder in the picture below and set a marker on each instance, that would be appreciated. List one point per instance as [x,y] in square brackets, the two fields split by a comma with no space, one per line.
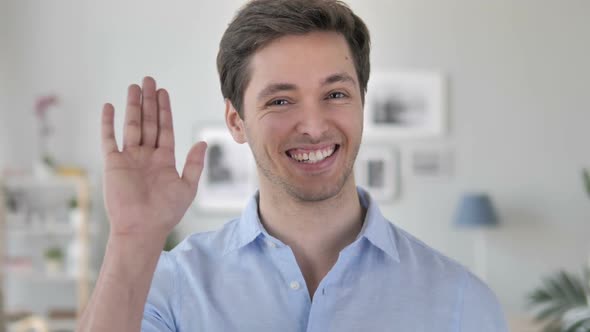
[205,246]
[416,254]
[477,306]
[480,308]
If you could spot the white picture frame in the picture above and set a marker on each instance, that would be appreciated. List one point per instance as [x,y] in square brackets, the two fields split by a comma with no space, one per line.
[405,104]
[229,174]
[377,170]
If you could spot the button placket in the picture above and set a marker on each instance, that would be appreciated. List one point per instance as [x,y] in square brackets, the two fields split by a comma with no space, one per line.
[285,259]
[294,285]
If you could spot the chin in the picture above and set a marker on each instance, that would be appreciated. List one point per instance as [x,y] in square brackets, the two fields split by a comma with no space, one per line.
[319,193]
[313,196]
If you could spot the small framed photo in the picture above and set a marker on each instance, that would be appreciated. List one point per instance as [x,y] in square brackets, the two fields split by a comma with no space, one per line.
[229,175]
[377,170]
[405,104]
[432,162]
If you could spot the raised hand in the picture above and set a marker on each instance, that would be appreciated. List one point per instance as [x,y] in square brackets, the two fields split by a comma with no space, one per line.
[145,196]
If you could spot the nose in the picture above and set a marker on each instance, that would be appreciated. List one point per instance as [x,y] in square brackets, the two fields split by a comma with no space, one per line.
[313,122]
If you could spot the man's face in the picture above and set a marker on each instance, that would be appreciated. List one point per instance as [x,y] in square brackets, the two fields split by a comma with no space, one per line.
[303,115]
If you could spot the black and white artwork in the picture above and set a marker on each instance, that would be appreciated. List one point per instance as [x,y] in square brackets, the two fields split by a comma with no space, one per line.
[432,162]
[403,104]
[229,176]
[377,170]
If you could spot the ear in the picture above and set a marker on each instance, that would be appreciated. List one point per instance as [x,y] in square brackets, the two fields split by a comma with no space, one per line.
[234,123]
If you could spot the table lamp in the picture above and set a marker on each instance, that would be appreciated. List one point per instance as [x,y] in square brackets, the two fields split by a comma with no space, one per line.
[476,211]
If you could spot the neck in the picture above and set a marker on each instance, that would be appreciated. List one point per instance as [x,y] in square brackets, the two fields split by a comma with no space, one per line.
[316,232]
[329,221]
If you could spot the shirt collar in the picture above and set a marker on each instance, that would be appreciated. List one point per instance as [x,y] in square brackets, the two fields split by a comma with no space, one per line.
[376,229]
[248,227]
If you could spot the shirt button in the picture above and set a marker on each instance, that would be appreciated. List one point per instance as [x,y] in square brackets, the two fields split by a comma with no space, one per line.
[271,244]
[294,285]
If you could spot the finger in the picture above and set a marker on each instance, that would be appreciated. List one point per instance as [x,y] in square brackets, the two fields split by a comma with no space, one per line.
[109,142]
[149,113]
[132,127]
[165,130]
[194,164]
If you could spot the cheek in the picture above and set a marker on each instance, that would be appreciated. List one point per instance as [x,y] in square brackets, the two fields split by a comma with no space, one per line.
[266,136]
[350,121]
[274,127]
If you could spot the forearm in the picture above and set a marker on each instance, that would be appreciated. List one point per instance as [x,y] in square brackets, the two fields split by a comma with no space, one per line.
[120,294]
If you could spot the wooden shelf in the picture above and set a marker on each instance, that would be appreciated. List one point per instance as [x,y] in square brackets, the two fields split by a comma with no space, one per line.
[43,231]
[80,187]
[33,275]
[42,324]
[26,181]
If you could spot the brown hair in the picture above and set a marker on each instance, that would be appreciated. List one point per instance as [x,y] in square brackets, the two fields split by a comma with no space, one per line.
[260,22]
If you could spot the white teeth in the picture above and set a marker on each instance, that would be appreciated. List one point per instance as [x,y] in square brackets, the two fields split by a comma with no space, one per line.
[313,156]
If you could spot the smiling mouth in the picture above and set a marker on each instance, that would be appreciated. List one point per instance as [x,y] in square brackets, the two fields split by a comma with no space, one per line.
[309,156]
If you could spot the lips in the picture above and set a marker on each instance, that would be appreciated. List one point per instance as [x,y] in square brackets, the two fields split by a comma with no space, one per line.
[312,155]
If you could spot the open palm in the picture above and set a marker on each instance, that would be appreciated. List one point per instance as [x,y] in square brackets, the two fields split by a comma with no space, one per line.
[144,194]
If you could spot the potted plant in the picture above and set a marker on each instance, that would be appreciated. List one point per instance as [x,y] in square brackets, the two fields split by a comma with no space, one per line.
[75,214]
[44,166]
[54,257]
[558,301]
[563,301]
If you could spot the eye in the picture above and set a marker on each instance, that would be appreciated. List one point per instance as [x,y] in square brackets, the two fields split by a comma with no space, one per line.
[336,95]
[278,102]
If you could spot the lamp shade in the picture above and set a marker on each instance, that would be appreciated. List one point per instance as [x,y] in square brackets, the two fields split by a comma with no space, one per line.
[475,209]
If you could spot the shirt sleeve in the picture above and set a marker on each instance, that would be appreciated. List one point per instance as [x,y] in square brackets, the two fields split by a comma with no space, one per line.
[481,310]
[158,313]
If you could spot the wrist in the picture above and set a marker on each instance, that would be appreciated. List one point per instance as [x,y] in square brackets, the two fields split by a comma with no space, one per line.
[129,258]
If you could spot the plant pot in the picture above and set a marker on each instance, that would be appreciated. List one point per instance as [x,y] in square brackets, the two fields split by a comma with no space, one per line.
[75,217]
[42,171]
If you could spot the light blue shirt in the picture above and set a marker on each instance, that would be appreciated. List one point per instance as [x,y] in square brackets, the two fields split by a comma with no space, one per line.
[242,279]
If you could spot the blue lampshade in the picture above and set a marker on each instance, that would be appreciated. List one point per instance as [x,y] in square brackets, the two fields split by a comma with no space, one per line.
[476,209]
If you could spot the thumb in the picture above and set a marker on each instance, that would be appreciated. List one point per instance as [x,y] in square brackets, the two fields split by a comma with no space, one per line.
[194,164]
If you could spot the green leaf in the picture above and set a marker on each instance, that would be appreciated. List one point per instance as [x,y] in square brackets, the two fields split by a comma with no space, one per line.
[586,177]
[553,327]
[577,320]
[557,295]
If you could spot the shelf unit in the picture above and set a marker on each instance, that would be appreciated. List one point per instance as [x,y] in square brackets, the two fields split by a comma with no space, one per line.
[81,232]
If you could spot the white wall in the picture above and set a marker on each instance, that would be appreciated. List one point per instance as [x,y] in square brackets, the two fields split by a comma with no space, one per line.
[519,118]
[519,106]
[4,82]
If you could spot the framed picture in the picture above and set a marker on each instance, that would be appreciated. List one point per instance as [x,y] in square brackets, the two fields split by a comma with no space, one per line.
[229,176]
[377,170]
[432,162]
[405,104]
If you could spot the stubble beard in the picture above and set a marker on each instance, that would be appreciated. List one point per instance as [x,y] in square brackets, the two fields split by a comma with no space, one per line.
[302,195]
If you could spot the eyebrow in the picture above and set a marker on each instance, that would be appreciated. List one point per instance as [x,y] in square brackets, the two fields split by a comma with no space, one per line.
[340,77]
[274,88]
[278,87]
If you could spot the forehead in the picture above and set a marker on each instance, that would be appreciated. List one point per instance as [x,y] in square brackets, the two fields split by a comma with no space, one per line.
[303,60]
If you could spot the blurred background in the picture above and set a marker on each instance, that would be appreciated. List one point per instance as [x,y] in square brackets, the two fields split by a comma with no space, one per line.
[517,113]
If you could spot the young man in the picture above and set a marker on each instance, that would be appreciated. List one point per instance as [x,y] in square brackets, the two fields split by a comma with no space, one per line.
[311,251]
